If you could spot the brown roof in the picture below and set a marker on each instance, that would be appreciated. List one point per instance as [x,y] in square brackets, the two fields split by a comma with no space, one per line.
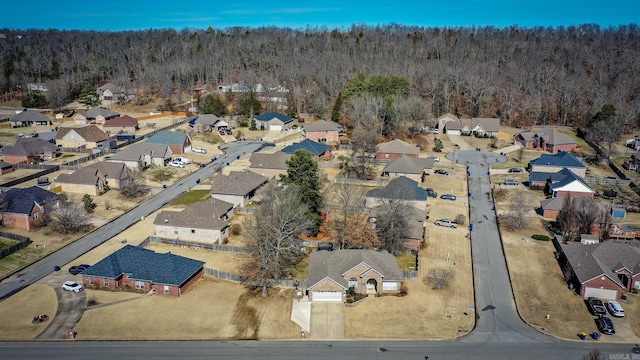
[89,174]
[120,121]
[602,259]
[237,183]
[549,135]
[487,124]
[202,215]
[320,125]
[89,133]
[409,165]
[276,161]
[398,146]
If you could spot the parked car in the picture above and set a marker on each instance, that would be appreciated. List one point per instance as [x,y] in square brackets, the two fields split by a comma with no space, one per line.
[176,164]
[516,170]
[605,325]
[615,309]
[75,270]
[432,193]
[446,223]
[596,306]
[511,182]
[199,150]
[436,158]
[448,197]
[182,160]
[441,172]
[436,131]
[294,127]
[72,286]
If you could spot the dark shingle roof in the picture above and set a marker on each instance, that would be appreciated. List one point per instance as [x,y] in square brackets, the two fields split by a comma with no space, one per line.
[168,138]
[88,174]
[590,261]
[488,124]
[90,133]
[320,125]
[333,264]
[566,177]
[120,121]
[557,203]
[400,188]
[398,146]
[311,146]
[134,152]
[29,116]
[207,119]
[144,264]
[5,165]
[270,115]
[549,135]
[237,183]
[97,111]
[202,215]
[563,159]
[30,146]
[21,201]
[276,161]
[409,165]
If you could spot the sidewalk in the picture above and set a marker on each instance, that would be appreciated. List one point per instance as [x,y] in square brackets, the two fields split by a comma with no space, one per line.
[301,313]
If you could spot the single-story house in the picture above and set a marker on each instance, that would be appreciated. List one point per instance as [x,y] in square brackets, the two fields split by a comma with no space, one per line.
[444,119]
[110,94]
[179,142]
[546,139]
[24,208]
[416,221]
[605,270]
[89,136]
[209,122]
[273,121]
[475,126]
[29,118]
[93,179]
[203,222]
[238,187]
[634,143]
[5,167]
[413,168]
[140,155]
[550,208]
[332,273]
[319,151]
[399,188]
[321,131]
[96,115]
[552,163]
[269,165]
[569,185]
[124,124]
[29,150]
[394,148]
[141,269]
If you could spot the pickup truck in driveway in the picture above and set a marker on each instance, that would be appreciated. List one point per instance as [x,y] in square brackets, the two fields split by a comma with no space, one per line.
[446,223]
[596,306]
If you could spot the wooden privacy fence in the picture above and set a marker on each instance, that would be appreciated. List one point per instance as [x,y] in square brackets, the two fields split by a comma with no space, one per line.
[192,244]
[23,243]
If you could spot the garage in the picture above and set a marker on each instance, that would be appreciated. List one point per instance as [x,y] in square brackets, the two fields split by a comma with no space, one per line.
[600,293]
[326,296]
[275,127]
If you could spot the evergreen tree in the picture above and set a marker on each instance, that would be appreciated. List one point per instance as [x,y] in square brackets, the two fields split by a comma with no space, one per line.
[34,100]
[250,105]
[211,104]
[337,107]
[303,174]
[89,96]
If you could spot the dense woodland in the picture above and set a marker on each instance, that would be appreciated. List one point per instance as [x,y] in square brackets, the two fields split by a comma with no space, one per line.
[523,76]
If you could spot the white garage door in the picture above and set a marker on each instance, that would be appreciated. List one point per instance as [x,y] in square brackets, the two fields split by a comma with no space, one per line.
[275,127]
[187,148]
[324,296]
[600,293]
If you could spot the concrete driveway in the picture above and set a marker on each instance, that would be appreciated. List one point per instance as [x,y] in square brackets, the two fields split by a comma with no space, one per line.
[71,306]
[623,331]
[327,321]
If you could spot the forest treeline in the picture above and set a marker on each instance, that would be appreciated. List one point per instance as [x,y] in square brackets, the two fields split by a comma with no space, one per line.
[524,76]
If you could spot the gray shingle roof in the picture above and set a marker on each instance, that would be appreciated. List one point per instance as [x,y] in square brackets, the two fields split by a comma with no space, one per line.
[488,124]
[21,201]
[237,183]
[134,152]
[119,121]
[146,265]
[168,138]
[98,111]
[277,161]
[561,159]
[320,125]
[30,116]
[549,135]
[400,188]
[311,146]
[557,203]
[333,264]
[30,146]
[566,177]
[590,261]
[398,146]
[270,115]
[89,133]
[88,174]
[409,165]
[110,86]
[202,215]
[207,119]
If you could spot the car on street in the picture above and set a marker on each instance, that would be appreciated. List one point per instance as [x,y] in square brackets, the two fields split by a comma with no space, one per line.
[515,170]
[511,182]
[432,193]
[72,286]
[605,325]
[615,309]
[440,172]
[448,197]
[446,223]
[199,150]
[75,270]
[596,307]
[176,164]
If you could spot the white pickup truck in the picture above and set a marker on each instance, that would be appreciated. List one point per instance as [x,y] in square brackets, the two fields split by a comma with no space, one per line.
[446,223]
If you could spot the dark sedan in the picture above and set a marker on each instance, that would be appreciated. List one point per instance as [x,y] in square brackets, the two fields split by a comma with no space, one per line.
[75,270]
[605,325]
[441,172]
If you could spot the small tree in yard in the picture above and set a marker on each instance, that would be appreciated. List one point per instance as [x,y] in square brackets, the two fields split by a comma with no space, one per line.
[89,205]
[68,217]
[132,185]
[521,203]
[460,219]
[438,277]
[437,145]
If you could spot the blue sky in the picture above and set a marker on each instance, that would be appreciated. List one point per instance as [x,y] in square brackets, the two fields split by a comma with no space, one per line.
[144,14]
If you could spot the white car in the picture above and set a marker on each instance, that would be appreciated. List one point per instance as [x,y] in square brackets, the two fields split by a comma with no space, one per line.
[72,286]
[436,158]
[176,164]
[182,160]
[199,150]
[615,309]
[436,131]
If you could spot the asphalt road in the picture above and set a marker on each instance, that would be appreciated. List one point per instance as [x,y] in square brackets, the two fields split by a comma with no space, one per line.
[40,269]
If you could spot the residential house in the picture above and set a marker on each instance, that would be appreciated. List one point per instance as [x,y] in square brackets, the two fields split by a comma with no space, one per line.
[136,268]
[110,94]
[481,127]
[208,123]
[332,273]
[124,124]
[25,208]
[552,163]
[413,168]
[321,131]
[5,167]
[93,179]
[546,139]
[29,118]
[238,187]
[634,143]
[202,223]
[395,148]
[269,165]
[140,155]
[444,119]
[29,150]
[273,121]
[179,142]
[414,233]
[569,185]
[87,136]
[401,188]
[96,115]
[605,270]
[319,151]
[550,208]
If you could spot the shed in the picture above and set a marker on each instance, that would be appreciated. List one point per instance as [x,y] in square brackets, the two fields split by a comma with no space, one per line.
[618,213]
[588,239]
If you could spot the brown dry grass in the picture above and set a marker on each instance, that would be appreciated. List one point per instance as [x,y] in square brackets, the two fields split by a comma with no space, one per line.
[219,260]
[17,312]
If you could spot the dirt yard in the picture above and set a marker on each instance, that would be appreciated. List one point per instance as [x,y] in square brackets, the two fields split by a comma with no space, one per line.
[17,312]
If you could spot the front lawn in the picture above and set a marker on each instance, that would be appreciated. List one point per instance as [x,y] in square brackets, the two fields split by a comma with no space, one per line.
[191,197]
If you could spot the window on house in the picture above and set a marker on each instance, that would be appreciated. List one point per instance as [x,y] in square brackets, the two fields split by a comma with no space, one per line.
[166,289]
[353,283]
[91,280]
[193,231]
[35,216]
[139,284]
[175,231]
[106,282]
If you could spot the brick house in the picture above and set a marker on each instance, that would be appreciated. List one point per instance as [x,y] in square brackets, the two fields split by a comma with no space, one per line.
[474,126]
[145,270]
[273,121]
[548,163]
[550,208]
[89,136]
[110,94]
[209,123]
[321,131]
[29,150]
[332,273]
[413,168]
[269,165]
[546,139]
[124,124]
[5,167]
[399,188]
[96,115]
[93,179]
[204,222]
[24,208]
[140,155]
[319,151]
[605,270]
[395,148]
[238,187]
[179,142]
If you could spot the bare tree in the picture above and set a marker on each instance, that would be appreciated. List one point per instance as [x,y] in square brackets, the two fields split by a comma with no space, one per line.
[582,216]
[132,184]
[350,200]
[438,277]
[520,204]
[392,217]
[69,217]
[594,354]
